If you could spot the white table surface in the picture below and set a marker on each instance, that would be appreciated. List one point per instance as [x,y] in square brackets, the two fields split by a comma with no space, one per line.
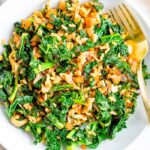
[143,141]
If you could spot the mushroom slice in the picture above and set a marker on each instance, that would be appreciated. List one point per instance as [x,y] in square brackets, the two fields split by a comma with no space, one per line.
[18,123]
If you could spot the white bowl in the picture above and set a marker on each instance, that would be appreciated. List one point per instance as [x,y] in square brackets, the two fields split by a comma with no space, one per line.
[16,139]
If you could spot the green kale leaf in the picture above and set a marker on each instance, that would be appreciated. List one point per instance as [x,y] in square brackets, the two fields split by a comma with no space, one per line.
[146,74]
[3,95]
[116,28]
[53,51]
[118,125]
[58,87]
[6,79]
[52,140]
[111,38]
[20,100]
[36,129]
[55,121]
[88,68]
[113,60]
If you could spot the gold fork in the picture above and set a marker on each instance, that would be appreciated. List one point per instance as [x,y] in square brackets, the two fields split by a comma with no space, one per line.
[122,15]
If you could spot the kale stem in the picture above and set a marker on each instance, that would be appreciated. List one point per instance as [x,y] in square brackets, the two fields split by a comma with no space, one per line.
[70,134]
[43,66]
[13,94]
[71,147]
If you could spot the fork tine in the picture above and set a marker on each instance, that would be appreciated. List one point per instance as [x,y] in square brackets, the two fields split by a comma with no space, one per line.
[112,16]
[131,18]
[128,16]
[116,18]
[124,20]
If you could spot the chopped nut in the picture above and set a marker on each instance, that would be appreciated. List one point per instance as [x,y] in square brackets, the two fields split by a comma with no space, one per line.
[69,126]
[78,79]
[28,106]
[112,98]
[113,113]
[18,123]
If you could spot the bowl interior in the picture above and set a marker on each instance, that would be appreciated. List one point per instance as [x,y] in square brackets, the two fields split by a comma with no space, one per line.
[13,138]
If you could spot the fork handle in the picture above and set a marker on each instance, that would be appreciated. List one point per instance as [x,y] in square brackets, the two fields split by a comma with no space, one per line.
[146,100]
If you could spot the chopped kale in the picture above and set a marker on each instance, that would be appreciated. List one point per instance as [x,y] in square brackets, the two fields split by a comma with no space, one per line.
[6,79]
[82,33]
[53,52]
[88,68]
[19,100]
[111,38]
[116,28]
[3,95]
[146,74]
